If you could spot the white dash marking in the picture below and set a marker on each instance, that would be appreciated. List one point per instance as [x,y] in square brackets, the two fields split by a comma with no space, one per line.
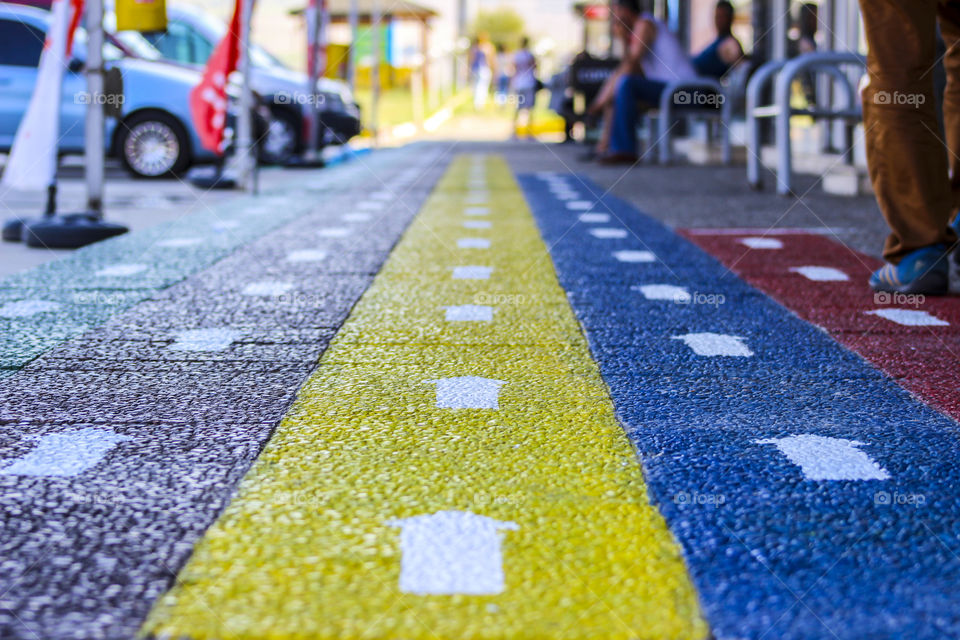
[762,243]
[821,274]
[372,205]
[177,243]
[306,255]
[224,225]
[715,344]
[384,196]
[266,288]
[580,205]
[473,243]
[469,313]
[607,233]
[594,217]
[822,458]
[566,195]
[355,217]
[66,454]
[452,552]
[477,224]
[472,273]
[209,340]
[909,317]
[477,211]
[28,308]
[335,232]
[121,270]
[635,256]
[467,392]
[664,292]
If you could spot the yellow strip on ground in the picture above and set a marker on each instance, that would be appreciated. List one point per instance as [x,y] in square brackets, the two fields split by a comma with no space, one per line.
[451,479]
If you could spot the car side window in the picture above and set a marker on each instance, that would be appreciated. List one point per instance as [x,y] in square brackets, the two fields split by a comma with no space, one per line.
[174,43]
[20,44]
[202,48]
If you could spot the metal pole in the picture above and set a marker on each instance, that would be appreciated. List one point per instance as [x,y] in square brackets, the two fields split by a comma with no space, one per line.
[461,34]
[314,22]
[375,72]
[781,23]
[354,34]
[95,120]
[245,156]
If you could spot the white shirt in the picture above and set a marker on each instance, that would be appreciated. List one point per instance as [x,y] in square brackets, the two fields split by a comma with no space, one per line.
[666,59]
[525,65]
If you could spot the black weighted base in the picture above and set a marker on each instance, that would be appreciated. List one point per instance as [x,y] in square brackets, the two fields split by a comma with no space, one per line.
[69,231]
[13,230]
[211,178]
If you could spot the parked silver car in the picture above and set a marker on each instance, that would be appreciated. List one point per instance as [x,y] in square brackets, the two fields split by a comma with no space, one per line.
[190,38]
[154,135]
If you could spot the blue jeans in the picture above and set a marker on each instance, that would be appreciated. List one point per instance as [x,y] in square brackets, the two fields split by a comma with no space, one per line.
[630,91]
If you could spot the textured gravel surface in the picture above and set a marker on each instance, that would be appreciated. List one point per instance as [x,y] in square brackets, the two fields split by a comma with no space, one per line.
[127,440]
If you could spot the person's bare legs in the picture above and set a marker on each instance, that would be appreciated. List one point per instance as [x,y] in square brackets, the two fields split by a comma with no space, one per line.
[603,144]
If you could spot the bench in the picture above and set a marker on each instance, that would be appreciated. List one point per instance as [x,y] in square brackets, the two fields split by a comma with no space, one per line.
[786,72]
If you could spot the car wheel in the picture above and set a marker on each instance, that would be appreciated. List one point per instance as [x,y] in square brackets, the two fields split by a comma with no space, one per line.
[153,145]
[279,146]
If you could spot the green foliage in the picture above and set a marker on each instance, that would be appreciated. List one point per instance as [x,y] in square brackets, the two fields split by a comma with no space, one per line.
[503,26]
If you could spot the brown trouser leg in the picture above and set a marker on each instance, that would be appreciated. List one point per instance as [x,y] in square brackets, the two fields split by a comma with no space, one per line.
[906,152]
[950,30]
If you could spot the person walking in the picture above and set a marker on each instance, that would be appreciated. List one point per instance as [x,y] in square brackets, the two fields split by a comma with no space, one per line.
[524,85]
[504,72]
[481,69]
[914,168]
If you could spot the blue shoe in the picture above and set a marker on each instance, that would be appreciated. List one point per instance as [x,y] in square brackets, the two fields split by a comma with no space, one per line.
[921,271]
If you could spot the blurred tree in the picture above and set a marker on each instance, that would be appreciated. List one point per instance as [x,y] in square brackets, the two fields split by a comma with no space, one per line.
[503,26]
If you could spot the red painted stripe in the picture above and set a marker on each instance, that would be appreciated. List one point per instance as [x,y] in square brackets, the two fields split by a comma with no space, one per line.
[925,360]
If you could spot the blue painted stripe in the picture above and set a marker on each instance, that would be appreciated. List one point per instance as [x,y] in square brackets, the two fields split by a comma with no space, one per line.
[773,554]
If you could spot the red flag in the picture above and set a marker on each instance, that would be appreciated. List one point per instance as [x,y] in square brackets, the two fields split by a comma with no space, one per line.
[208,100]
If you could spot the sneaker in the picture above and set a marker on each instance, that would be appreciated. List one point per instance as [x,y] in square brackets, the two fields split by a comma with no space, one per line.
[922,271]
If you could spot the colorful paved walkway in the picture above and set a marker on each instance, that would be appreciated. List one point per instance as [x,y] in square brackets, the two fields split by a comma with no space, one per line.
[542,414]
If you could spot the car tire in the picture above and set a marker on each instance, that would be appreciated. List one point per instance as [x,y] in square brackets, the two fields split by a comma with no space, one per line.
[153,144]
[280,144]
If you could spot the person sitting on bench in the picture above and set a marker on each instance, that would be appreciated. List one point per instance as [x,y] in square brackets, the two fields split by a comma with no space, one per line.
[725,51]
[653,58]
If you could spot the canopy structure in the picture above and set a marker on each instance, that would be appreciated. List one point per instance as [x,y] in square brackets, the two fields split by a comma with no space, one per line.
[394,9]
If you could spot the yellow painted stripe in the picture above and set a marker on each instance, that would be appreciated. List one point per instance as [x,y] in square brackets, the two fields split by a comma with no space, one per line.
[311,545]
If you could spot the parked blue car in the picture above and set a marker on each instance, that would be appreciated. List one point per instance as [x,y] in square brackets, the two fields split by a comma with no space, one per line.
[153,137]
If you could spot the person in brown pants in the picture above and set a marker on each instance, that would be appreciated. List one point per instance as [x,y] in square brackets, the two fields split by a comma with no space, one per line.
[914,170]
